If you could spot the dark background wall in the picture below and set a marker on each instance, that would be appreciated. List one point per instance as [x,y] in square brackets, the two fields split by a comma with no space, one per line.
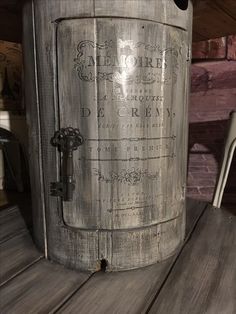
[213,97]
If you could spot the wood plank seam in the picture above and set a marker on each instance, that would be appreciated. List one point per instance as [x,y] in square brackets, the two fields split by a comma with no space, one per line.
[218,5]
[176,258]
[41,170]
[68,297]
[12,213]
[6,210]
[16,234]
[203,279]
[22,270]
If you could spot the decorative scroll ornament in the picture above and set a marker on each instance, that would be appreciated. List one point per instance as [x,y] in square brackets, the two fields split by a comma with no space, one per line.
[129,176]
[124,68]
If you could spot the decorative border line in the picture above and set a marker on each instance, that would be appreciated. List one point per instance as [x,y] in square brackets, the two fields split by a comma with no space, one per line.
[127,208]
[131,176]
[129,159]
[131,139]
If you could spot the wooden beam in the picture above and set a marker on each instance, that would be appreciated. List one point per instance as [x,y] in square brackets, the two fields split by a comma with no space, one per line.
[212,19]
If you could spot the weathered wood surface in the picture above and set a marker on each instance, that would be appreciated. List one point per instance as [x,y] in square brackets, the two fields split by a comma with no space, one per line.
[201,279]
[204,13]
[130,291]
[123,185]
[204,277]
[16,255]
[11,223]
[147,10]
[194,211]
[58,29]
[142,283]
[39,289]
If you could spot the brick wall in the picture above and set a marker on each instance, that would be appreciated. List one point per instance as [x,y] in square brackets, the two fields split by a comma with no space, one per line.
[213,96]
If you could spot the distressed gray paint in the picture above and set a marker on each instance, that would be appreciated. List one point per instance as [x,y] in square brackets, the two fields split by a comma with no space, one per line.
[129,202]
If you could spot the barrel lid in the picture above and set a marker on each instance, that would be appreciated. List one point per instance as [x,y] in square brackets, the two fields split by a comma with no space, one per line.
[177,13]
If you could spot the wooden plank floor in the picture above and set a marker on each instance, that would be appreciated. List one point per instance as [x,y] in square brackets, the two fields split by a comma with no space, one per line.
[199,279]
[40,289]
[204,277]
[17,254]
[11,223]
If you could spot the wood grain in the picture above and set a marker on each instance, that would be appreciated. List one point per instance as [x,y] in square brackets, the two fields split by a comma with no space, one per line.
[194,211]
[71,236]
[45,287]
[16,255]
[39,289]
[203,279]
[119,292]
[213,19]
[33,121]
[11,23]
[130,291]
[228,6]
[145,10]
[11,223]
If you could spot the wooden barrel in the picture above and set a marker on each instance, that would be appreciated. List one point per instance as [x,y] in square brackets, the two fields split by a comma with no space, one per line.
[110,77]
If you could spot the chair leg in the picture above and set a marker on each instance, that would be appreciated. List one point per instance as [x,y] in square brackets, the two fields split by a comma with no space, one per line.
[228,156]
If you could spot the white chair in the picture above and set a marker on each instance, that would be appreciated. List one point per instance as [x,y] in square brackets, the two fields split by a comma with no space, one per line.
[227,159]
